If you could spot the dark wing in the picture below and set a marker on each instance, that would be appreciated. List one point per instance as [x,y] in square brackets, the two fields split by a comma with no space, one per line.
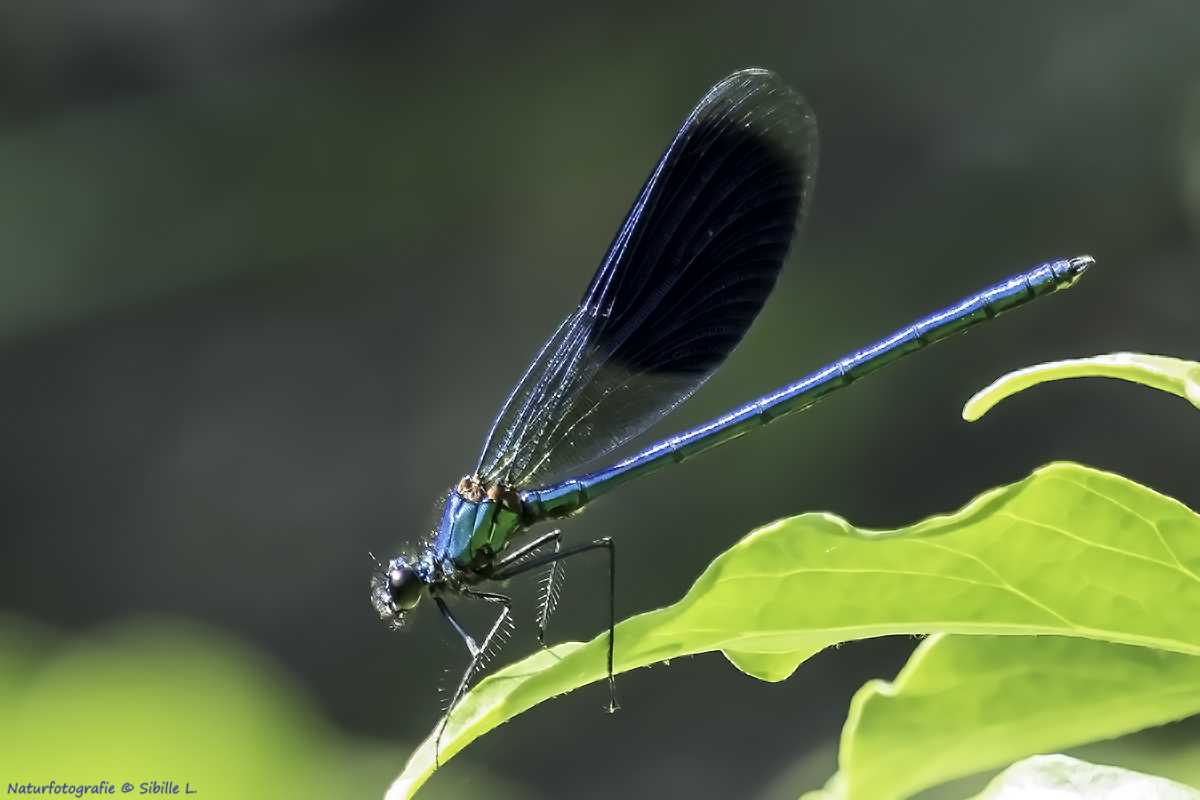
[687,274]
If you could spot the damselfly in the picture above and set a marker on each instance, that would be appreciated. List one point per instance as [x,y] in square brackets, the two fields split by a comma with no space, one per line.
[687,274]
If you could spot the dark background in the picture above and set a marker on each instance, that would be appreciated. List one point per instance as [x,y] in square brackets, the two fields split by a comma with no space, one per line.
[268,270]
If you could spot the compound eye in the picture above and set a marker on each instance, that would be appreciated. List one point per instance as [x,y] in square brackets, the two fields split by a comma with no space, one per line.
[405,587]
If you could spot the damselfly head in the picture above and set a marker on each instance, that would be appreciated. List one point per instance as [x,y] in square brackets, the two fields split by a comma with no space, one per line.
[396,590]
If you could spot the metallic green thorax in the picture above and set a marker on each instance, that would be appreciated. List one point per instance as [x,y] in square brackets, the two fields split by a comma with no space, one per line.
[477,523]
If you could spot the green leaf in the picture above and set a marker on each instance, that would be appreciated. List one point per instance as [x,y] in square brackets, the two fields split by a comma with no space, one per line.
[964,704]
[496,699]
[1060,777]
[1168,374]
[770,667]
[1068,551]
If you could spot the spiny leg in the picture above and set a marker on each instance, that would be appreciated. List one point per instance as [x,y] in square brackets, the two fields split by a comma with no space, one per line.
[551,590]
[553,581]
[478,653]
[511,560]
[511,570]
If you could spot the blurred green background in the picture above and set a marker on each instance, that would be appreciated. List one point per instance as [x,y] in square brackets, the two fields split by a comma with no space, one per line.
[243,247]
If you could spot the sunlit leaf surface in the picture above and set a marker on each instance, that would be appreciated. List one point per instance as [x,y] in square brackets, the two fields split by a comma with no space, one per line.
[1069,551]
[1058,777]
[1168,374]
[964,704]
